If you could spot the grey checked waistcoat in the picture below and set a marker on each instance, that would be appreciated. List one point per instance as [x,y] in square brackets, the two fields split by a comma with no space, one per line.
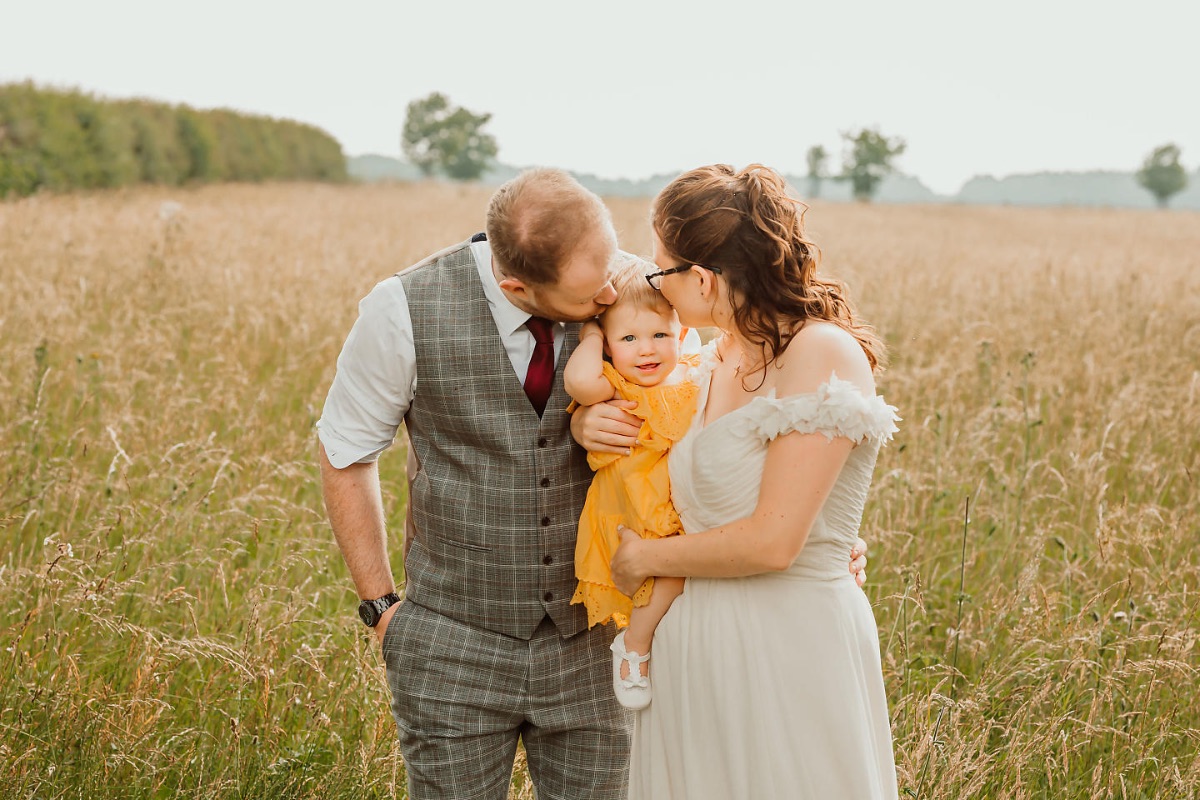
[495,503]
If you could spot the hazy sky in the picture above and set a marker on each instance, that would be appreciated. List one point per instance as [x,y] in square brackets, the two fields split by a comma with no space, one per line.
[636,87]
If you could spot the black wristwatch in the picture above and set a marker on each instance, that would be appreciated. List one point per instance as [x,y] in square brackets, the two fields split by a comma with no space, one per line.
[369,611]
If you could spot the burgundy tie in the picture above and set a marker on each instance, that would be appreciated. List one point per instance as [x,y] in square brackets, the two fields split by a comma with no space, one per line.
[540,377]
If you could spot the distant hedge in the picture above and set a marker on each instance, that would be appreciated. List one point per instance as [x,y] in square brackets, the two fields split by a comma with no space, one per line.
[57,140]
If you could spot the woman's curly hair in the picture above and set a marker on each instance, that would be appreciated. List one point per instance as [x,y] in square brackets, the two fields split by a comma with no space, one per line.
[745,223]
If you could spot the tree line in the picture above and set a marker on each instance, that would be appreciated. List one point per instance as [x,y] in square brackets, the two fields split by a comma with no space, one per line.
[441,138]
[59,139]
[868,159]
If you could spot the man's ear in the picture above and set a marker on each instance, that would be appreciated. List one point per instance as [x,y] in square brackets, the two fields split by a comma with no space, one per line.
[514,286]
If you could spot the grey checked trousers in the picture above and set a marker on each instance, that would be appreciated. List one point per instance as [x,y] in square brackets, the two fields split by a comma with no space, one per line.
[462,697]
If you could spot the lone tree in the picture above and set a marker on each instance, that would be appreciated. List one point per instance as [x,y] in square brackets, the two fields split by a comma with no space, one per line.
[867,160]
[816,169]
[440,137]
[1162,175]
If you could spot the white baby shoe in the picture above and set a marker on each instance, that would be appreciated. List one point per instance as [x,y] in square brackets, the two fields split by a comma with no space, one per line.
[632,692]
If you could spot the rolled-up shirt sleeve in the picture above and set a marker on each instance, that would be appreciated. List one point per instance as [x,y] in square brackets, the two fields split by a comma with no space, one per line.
[375,379]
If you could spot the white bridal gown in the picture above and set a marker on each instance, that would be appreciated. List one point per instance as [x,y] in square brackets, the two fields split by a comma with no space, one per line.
[769,686]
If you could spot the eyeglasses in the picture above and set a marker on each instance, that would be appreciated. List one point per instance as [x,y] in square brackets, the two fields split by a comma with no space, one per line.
[655,278]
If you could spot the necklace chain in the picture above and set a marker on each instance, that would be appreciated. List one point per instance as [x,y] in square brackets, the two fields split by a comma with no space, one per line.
[740,366]
[737,370]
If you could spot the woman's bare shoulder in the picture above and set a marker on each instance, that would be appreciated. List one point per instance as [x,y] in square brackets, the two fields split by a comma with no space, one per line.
[817,351]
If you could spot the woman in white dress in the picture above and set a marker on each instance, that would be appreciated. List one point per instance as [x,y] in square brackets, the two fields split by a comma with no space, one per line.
[766,677]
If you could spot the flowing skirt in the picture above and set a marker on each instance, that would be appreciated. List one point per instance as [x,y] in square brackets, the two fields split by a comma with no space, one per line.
[766,687]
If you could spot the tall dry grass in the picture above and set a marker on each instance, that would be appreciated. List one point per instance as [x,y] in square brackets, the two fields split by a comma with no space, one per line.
[177,621]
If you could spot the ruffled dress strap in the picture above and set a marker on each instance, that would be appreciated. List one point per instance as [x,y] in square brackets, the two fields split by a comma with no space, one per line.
[837,408]
[703,363]
[666,409]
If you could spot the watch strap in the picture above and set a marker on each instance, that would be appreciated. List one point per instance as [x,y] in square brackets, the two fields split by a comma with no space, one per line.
[379,605]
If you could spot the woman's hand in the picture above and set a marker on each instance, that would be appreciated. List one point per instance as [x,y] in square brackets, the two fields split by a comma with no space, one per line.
[858,561]
[627,573]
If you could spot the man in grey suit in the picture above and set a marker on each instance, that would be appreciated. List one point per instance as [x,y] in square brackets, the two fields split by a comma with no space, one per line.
[486,648]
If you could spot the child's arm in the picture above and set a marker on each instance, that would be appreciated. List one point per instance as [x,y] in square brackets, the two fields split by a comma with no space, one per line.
[584,373]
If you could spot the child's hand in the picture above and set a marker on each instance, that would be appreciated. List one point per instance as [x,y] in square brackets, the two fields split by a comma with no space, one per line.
[591,328]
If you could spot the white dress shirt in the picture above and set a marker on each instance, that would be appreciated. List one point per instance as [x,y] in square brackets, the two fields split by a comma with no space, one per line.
[377,368]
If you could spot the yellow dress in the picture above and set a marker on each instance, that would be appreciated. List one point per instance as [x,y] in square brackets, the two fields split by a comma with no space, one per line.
[631,490]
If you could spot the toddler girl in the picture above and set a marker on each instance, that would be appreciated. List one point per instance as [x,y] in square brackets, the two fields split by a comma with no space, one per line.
[632,353]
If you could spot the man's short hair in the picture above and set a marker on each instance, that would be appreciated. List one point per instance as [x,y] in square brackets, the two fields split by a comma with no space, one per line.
[536,220]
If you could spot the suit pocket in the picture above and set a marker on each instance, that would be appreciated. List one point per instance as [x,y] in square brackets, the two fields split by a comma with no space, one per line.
[393,637]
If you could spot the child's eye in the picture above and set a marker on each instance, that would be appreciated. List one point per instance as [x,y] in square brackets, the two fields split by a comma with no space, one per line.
[660,335]
[629,337]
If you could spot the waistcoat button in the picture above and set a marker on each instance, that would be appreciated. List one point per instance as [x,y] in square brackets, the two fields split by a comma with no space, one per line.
[548,560]
[548,596]
[542,442]
[545,482]
[545,522]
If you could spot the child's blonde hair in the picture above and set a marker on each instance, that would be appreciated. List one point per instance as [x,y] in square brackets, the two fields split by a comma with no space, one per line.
[629,279]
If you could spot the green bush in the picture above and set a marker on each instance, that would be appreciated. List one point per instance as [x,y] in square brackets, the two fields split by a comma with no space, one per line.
[19,158]
[59,140]
[157,144]
[199,140]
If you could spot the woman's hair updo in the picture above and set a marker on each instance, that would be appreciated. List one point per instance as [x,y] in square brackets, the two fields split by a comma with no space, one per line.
[745,223]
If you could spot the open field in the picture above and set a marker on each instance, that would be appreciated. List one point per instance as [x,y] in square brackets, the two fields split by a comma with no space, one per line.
[176,620]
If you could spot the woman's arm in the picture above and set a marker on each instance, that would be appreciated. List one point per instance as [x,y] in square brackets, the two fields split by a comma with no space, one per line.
[583,375]
[799,472]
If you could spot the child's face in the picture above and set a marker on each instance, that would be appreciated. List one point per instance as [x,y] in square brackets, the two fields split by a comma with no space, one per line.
[643,343]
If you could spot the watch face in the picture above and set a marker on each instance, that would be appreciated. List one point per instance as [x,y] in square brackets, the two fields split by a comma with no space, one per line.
[367,613]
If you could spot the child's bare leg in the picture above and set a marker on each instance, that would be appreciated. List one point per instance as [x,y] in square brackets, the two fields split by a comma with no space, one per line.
[644,620]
